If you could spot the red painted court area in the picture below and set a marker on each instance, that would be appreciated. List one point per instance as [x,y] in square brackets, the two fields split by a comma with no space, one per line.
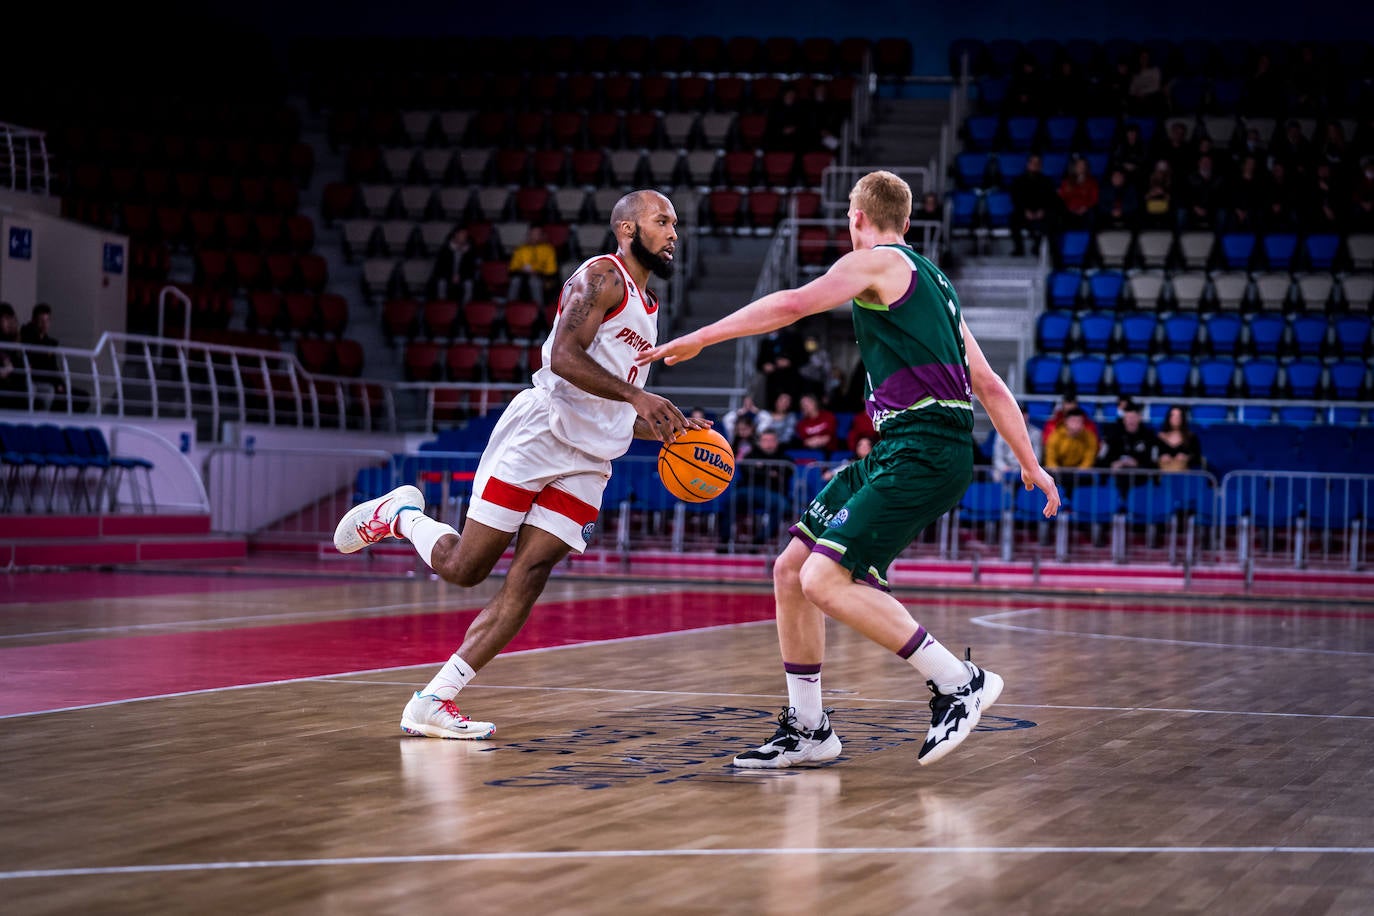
[68,674]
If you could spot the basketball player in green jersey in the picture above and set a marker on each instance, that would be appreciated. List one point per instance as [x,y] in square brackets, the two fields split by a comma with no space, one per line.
[923,367]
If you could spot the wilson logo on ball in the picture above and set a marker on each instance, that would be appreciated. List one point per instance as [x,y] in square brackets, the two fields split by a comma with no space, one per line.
[706,456]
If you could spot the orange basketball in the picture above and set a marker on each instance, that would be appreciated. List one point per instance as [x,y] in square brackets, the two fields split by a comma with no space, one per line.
[697,466]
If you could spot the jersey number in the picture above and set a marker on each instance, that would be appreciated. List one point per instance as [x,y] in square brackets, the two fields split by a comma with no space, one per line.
[634,374]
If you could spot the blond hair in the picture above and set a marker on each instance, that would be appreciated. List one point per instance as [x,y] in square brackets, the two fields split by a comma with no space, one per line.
[884,198]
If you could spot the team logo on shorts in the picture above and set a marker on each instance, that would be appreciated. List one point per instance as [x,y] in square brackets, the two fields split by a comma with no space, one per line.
[587,530]
[840,518]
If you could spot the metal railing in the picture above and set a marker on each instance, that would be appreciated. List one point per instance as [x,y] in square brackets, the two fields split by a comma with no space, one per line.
[1295,518]
[837,180]
[24,158]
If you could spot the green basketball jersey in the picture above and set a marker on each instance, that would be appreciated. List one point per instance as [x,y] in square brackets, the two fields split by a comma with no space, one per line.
[913,353]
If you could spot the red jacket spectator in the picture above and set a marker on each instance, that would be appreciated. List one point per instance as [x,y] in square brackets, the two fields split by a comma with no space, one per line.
[862,428]
[1079,190]
[816,428]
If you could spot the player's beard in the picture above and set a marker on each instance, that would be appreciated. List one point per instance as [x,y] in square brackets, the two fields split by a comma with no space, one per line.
[654,263]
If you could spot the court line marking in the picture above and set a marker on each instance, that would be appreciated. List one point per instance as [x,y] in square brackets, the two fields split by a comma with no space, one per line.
[671,853]
[994,622]
[340,674]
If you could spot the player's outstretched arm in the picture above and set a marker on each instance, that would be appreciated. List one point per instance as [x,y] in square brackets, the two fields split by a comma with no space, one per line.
[850,276]
[1006,417]
[586,301]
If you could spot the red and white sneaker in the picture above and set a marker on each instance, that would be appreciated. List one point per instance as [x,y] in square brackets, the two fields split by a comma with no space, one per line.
[369,522]
[432,717]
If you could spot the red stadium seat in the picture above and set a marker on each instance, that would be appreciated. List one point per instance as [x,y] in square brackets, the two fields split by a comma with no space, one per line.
[265,310]
[399,317]
[603,129]
[479,317]
[566,128]
[724,207]
[281,271]
[301,316]
[348,358]
[313,271]
[521,318]
[441,319]
[461,361]
[550,166]
[315,355]
[422,361]
[511,165]
[765,208]
[248,273]
[300,232]
[505,362]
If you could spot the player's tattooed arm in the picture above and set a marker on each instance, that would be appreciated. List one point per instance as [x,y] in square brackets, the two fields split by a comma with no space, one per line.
[587,300]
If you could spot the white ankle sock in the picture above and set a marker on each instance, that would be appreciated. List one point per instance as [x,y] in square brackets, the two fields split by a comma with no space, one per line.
[452,678]
[804,693]
[936,663]
[423,532]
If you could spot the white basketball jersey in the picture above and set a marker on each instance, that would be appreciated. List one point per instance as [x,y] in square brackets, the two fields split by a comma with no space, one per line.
[593,424]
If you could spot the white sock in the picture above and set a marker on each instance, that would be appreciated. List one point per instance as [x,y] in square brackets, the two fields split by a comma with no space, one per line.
[936,663]
[804,693]
[452,678]
[423,532]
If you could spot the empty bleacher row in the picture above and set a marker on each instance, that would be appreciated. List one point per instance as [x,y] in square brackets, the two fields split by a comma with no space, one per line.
[70,467]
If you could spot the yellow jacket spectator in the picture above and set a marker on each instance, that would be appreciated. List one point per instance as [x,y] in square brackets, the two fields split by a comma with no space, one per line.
[533,265]
[1072,444]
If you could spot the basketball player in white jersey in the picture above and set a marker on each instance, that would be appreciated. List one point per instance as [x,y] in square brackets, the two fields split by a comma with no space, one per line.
[549,457]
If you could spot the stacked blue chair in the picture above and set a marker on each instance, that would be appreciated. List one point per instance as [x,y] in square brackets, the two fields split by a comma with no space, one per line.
[1010,166]
[1304,378]
[62,459]
[1095,331]
[1043,372]
[1237,248]
[1052,331]
[1223,333]
[1105,287]
[1266,333]
[22,456]
[1279,250]
[1352,336]
[1138,332]
[1086,373]
[1021,131]
[970,168]
[1349,380]
[122,467]
[999,209]
[1309,334]
[1172,375]
[1060,132]
[1129,374]
[1100,131]
[1215,376]
[1073,247]
[1064,287]
[1260,377]
[1321,249]
[1181,333]
[980,131]
[1054,165]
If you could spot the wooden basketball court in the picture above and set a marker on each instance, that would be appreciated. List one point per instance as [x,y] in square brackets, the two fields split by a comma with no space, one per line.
[229,742]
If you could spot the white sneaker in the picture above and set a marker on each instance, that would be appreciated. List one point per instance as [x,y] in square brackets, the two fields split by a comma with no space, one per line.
[953,716]
[431,717]
[792,745]
[369,522]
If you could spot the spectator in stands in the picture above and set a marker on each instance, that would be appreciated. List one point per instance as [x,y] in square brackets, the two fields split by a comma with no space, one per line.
[1203,198]
[781,355]
[762,487]
[455,268]
[534,268]
[743,435]
[1072,444]
[862,428]
[928,211]
[1127,444]
[1004,460]
[1362,198]
[1146,89]
[862,446]
[1253,145]
[1131,156]
[1293,149]
[1245,195]
[1177,447]
[1067,92]
[1264,89]
[747,410]
[13,385]
[1333,149]
[1024,94]
[1068,402]
[816,427]
[1177,150]
[1079,192]
[1119,205]
[1323,201]
[816,372]
[789,123]
[43,369]
[1281,205]
[1159,198]
[827,118]
[780,419]
[1034,205]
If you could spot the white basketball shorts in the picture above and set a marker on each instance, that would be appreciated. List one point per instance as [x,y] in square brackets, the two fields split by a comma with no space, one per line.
[529,477]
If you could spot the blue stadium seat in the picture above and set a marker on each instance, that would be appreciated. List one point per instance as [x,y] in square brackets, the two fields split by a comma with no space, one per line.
[1204,415]
[1043,372]
[1223,333]
[1105,286]
[980,132]
[1237,249]
[1266,333]
[1215,376]
[1095,503]
[1129,374]
[1172,375]
[1138,331]
[983,501]
[1186,93]
[970,168]
[1052,331]
[1304,378]
[1295,415]
[1029,505]
[963,209]
[1309,334]
[1279,249]
[1321,250]
[1349,380]
[1226,94]
[1086,372]
[1060,132]
[999,207]
[1039,412]
[992,92]
[1344,416]
[1010,165]
[1054,164]
[1255,414]
[1352,336]
[1147,126]
[1101,132]
[1073,247]
[1021,131]
[1095,331]
[1097,165]
[1181,333]
[26,465]
[1064,287]
[1259,377]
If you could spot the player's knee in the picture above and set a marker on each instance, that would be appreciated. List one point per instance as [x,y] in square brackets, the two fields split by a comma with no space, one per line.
[787,570]
[819,576]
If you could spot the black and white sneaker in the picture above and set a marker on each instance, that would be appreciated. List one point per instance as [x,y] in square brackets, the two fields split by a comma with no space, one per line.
[792,745]
[954,715]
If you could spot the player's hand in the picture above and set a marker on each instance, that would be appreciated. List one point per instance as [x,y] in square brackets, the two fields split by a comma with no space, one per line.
[674,351]
[1039,478]
[661,416]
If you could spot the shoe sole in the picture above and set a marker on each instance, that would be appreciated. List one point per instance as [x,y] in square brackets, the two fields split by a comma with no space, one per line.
[783,763]
[420,730]
[992,689]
